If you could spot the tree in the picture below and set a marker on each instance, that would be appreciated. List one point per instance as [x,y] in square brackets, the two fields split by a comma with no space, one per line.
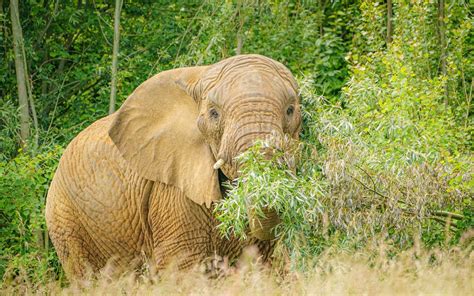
[21,73]
[113,88]
[442,42]
[241,19]
[389,21]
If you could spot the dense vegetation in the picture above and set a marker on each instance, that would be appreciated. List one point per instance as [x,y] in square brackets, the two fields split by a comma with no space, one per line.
[386,146]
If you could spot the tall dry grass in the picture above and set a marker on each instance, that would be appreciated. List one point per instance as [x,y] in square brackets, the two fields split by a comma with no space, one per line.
[372,271]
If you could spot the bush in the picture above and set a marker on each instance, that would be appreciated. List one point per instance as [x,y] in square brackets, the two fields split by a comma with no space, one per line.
[24,244]
[389,160]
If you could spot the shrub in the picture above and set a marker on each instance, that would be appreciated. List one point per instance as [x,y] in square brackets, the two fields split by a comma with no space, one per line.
[24,243]
[393,164]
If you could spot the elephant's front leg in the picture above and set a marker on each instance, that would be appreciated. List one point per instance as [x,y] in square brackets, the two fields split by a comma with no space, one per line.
[181,229]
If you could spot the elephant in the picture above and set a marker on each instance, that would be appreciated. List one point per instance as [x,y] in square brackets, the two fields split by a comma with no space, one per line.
[143,182]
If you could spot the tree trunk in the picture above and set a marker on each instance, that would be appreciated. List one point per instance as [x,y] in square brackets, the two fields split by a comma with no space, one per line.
[241,20]
[389,21]
[31,103]
[442,41]
[113,88]
[5,35]
[20,72]
[240,43]
[322,8]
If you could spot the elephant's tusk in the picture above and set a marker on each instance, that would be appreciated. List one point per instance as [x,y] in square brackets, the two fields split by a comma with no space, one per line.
[218,164]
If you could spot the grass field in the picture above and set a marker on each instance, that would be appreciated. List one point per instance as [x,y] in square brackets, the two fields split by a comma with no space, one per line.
[368,272]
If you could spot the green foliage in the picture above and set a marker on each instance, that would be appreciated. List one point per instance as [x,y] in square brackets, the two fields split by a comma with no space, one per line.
[400,111]
[370,31]
[9,131]
[345,191]
[270,183]
[24,246]
[387,161]
[308,39]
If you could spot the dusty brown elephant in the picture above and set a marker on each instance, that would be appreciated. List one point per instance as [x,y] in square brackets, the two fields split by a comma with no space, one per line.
[141,182]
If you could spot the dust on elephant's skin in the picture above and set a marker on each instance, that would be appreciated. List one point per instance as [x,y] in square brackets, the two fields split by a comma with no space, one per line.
[142,181]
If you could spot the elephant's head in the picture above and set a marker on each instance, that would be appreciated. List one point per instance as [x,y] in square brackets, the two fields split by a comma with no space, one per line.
[240,100]
[185,127]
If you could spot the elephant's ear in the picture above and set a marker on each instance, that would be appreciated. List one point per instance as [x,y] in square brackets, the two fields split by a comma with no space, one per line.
[155,130]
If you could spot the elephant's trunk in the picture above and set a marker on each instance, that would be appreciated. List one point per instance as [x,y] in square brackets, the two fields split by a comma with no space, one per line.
[253,125]
[260,227]
[263,227]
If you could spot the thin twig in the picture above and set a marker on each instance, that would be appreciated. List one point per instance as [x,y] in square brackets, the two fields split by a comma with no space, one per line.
[448,215]
[453,227]
[368,188]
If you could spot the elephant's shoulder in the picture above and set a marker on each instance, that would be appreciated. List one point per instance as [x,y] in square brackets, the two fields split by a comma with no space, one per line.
[93,135]
[93,144]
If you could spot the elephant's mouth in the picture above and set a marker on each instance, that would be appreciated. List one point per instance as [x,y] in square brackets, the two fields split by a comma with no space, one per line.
[223,179]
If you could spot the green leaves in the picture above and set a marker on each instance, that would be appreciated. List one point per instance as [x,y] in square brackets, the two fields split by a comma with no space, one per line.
[270,183]
[24,182]
[384,165]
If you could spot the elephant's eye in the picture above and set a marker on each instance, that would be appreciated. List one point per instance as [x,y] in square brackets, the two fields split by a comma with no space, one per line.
[213,113]
[290,110]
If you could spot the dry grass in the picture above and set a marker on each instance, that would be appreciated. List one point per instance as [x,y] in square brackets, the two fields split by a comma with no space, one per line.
[368,272]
